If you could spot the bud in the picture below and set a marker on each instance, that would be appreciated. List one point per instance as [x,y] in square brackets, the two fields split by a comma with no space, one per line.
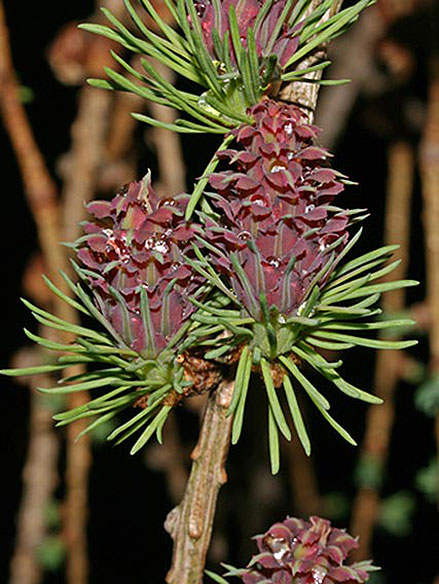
[277,207]
[305,552]
[134,254]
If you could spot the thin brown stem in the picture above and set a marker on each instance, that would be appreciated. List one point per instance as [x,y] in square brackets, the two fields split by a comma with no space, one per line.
[40,189]
[379,421]
[190,523]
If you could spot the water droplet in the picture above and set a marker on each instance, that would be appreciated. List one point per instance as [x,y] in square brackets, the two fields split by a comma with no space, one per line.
[275,262]
[169,202]
[290,156]
[281,319]
[288,128]
[149,243]
[322,246]
[123,189]
[318,575]
[309,208]
[244,235]
[258,200]
[277,168]
[280,554]
[160,246]
[278,546]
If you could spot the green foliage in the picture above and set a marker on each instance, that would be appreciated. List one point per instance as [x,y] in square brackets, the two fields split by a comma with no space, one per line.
[27,94]
[369,473]
[336,506]
[427,481]
[216,577]
[120,376]
[133,393]
[227,87]
[51,553]
[427,397]
[52,514]
[333,317]
[396,512]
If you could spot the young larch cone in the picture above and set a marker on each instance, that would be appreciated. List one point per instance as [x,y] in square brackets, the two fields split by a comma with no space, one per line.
[296,551]
[278,216]
[247,11]
[134,251]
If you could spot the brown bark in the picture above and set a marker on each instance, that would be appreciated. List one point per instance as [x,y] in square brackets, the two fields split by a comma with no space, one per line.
[190,523]
[379,420]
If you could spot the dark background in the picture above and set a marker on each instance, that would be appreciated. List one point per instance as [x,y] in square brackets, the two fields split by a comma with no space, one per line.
[128,501]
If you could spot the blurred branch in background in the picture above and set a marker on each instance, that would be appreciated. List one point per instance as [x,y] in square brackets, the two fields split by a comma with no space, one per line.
[80,177]
[379,421]
[120,157]
[429,166]
[305,494]
[40,189]
[43,201]
[39,477]
[167,145]
[355,57]
[41,194]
